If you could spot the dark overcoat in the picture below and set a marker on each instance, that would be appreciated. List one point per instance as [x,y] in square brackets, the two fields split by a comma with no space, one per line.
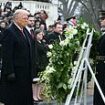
[54,37]
[100,72]
[16,51]
[41,57]
[34,53]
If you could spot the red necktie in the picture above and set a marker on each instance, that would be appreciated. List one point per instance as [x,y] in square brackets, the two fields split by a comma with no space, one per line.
[23,33]
[32,33]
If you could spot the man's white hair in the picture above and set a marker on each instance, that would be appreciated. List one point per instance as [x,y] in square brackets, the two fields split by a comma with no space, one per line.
[20,12]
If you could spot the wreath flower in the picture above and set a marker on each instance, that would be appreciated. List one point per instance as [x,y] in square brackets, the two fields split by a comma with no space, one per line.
[63,57]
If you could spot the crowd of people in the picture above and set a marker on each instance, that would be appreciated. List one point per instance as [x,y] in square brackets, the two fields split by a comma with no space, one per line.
[24,40]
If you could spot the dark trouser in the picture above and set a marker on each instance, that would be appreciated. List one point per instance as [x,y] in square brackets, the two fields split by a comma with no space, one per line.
[101,80]
[97,97]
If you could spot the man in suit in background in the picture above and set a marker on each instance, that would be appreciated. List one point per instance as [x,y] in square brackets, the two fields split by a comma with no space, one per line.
[30,25]
[30,30]
[16,79]
[56,35]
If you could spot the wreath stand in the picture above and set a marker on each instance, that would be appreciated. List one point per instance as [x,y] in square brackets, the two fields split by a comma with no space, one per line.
[79,82]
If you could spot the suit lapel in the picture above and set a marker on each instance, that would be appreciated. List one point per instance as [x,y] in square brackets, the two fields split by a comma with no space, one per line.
[27,37]
[21,38]
[28,40]
[18,33]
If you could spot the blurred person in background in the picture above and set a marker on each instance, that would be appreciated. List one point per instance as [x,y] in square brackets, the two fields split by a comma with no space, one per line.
[41,62]
[43,16]
[30,29]
[50,28]
[3,26]
[37,16]
[37,24]
[56,35]
[71,21]
[43,28]
[30,26]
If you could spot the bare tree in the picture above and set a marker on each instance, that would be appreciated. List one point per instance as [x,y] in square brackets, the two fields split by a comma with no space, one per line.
[69,7]
[89,9]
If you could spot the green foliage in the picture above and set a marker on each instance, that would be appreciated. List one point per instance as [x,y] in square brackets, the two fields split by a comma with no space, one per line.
[58,75]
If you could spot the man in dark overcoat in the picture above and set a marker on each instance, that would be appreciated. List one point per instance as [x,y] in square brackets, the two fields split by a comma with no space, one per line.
[100,66]
[16,80]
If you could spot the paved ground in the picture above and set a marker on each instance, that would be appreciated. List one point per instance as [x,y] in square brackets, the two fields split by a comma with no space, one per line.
[89,98]
[89,102]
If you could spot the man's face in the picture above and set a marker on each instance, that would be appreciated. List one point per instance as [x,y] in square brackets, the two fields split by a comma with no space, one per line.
[22,20]
[43,15]
[58,28]
[3,25]
[31,22]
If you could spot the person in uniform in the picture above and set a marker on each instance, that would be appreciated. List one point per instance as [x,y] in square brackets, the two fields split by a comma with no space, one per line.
[100,66]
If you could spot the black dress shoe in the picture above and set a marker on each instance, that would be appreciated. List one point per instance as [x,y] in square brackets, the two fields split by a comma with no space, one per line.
[40,100]
[35,101]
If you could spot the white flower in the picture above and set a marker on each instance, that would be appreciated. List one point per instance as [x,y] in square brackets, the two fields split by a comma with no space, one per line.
[70,32]
[50,60]
[78,43]
[75,62]
[50,69]
[61,43]
[75,31]
[84,25]
[49,54]
[50,46]
[70,36]
[67,40]
[70,80]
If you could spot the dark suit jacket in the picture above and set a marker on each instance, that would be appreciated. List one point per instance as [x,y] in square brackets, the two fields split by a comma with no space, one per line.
[100,72]
[16,50]
[54,37]
[41,58]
